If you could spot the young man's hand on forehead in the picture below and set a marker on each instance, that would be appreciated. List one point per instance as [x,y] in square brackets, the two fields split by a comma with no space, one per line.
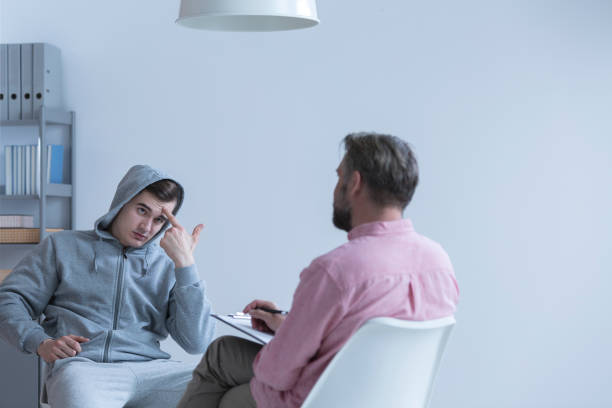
[178,243]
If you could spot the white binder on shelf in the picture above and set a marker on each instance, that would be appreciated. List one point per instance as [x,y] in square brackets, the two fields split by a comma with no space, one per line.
[35,172]
[8,170]
[3,82]
[14,82]
[46,77]
[15,170]
[26,81]
[38,168]
[19,169]
[27,168]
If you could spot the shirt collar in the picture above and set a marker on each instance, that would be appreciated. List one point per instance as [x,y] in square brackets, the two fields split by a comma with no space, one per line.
[381,228]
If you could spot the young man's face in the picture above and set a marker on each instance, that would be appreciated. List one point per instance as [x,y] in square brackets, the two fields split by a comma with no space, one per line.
[140,219]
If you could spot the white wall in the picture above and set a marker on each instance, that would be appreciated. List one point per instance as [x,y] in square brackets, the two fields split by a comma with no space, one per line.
[506,103]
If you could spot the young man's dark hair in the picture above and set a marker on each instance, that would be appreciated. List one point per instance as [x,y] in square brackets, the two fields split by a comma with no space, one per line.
[167,190]
[387,165]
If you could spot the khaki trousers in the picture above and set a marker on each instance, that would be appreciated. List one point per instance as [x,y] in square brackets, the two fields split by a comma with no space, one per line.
[222,377]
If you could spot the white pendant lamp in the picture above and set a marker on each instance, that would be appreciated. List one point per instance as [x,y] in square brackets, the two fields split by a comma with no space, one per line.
[248,15]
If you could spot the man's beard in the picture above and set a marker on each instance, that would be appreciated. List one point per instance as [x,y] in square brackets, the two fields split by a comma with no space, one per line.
[342,212]
[342,218]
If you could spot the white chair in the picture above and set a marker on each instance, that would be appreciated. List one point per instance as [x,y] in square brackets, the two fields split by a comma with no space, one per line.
[387,363]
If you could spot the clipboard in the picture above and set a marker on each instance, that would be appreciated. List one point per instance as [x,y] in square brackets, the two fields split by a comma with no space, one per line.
[242,323]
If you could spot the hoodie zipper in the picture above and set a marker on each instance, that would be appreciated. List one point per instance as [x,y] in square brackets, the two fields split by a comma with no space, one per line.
[119,292]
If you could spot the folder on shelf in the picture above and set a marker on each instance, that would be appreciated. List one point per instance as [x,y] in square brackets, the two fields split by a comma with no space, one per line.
[26,81]
[32,164]
[38,167]
[15,170]
[55,164]
[46,76]
[8,170]
[23,165]
[27,168]
[20,179]
[22,168]
[35,170]
[14,82]
[22,153]
[3,82]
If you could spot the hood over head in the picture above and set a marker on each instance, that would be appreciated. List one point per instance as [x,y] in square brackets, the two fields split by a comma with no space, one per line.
[135,180]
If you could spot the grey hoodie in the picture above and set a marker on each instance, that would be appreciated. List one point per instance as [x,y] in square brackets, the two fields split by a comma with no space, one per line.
[125,300]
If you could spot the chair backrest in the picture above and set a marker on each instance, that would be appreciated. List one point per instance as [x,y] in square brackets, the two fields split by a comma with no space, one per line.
[387,363]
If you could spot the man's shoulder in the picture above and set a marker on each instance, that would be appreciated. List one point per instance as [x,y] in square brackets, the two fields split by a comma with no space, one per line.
[332,263]
[432,253]
[414,250]
[331,257]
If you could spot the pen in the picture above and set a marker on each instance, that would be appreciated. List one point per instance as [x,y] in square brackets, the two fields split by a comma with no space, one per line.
[275,311]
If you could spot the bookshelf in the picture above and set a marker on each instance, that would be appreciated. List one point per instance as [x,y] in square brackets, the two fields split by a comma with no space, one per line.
[46,119]
[53,209]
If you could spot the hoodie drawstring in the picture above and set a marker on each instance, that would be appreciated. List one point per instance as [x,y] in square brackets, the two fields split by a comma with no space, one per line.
[97,249]
[145,270]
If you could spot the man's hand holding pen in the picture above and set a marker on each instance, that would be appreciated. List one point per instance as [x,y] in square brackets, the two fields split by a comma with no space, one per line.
[265,315]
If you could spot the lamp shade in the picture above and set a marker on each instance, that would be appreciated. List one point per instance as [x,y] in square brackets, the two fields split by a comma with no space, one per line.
[248,15]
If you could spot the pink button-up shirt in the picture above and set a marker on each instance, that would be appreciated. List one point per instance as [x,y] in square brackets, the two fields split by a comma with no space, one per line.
[385,269]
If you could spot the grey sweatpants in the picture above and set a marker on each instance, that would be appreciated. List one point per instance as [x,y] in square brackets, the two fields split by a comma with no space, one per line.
[79,382]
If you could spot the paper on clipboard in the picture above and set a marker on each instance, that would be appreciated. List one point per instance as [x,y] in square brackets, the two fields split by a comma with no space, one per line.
[243,324]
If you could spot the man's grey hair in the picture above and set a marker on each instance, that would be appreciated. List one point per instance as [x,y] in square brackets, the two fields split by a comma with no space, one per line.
[386,164]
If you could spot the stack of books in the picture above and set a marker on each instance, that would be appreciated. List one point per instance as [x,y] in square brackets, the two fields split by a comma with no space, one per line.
[19,229]
[22,168]
[16,221]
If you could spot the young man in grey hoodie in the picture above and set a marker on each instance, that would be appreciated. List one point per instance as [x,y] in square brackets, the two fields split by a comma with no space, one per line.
[109,296]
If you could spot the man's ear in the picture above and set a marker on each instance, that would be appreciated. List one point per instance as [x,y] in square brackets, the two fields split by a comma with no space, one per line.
[355,184]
